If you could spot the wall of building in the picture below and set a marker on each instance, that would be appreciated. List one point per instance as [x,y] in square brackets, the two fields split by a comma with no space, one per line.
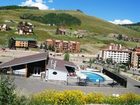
[138,61]
[52,74]
[21,44]
[64,46]
[20,72]
[134,59]
[117,56]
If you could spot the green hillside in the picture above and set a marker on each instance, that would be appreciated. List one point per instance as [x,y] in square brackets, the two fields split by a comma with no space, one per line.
[98,29]
[135,26]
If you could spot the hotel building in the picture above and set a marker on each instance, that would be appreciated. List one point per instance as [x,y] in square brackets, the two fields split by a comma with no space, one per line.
[117,53]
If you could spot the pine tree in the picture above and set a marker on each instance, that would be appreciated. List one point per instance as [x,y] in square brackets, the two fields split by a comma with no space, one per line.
[7,91]
[66,57]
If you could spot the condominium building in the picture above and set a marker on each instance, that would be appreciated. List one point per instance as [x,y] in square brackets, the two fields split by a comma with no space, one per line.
[116,53]
[64,46]
[18,42]
[138,64]
[135,58]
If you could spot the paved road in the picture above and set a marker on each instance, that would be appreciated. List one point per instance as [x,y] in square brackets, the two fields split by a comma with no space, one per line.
[32,85]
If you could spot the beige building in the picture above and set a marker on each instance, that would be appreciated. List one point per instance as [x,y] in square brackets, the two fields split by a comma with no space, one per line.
[117,53]
[21,43]
[135,57]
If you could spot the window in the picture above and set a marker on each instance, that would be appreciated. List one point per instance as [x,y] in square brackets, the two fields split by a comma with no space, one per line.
[54,73]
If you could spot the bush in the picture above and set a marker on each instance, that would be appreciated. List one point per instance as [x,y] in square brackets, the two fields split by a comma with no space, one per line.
[76,97]
[96,98]
[66,57]
[7,92]
[129,99]
[111,100]
[68,97]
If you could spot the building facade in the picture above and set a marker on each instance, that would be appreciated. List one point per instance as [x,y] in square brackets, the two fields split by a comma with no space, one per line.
[116,53]
[138,64]
[59,69]
[22,42]
[135,59]
[64,46]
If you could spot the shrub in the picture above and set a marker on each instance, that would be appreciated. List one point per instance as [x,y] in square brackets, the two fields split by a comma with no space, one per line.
[66,57]
[96,98]
[111,100]
[129,99]
[43,98]
[68,97]
[7,92]
[74,97]
[125,99]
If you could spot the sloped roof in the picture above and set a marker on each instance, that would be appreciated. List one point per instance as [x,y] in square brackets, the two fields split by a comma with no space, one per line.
[60,64]
[24,60]
[24,39]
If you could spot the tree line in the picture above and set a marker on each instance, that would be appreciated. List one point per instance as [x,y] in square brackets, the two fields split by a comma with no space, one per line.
[60,19]
[134,26]
[16,7]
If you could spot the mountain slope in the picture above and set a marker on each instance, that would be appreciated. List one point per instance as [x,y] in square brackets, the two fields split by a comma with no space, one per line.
[135,26]
[96,27]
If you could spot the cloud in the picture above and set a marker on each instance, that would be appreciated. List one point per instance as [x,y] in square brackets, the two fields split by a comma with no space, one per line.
[37,3]
[124,21]
[50,1]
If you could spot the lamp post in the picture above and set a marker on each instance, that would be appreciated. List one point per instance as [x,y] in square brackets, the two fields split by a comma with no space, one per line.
[98,81]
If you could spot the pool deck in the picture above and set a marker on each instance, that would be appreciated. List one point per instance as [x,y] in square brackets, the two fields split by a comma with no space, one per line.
[107,79]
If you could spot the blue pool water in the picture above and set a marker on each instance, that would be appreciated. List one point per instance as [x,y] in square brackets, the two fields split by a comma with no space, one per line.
[94,77]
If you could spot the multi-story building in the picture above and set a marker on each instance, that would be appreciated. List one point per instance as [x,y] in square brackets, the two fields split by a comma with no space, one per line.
[138,63]
[17,42]
[135,58]
[64,46]
[116,53]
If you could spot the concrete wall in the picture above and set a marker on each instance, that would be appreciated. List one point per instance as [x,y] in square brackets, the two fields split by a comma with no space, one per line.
[52,74]
[20,72]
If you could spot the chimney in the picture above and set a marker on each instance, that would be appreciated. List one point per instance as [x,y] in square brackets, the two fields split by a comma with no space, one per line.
[110,47]
[120,47]
[54,65]
[51,63]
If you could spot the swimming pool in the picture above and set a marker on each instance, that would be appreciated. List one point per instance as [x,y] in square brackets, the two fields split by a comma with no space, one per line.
[93,77]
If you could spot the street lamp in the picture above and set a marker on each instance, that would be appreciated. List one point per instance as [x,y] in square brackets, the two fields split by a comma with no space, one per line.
[98,81]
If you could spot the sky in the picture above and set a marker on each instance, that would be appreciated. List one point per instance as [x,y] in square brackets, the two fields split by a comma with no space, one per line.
[115,11]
